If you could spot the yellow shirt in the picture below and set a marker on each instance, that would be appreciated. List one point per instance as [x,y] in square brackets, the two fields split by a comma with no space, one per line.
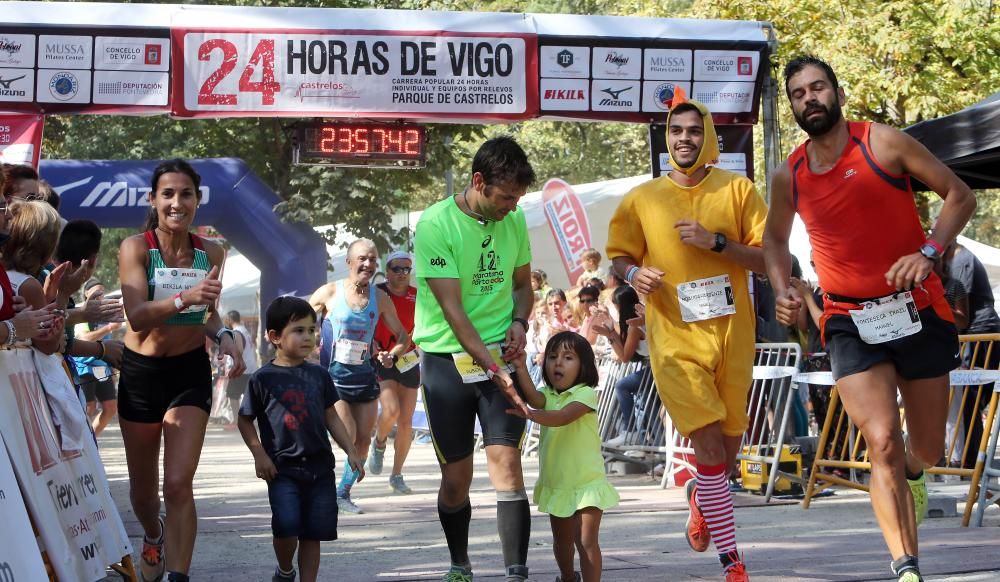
[643,229]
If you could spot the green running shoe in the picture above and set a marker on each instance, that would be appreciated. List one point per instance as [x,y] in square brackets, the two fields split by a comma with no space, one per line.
[918,488]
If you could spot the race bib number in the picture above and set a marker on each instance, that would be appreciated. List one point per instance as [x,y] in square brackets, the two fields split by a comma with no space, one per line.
[169,282]
[350,352]
[471,372]
[888,318]
[706,298]
[408,361]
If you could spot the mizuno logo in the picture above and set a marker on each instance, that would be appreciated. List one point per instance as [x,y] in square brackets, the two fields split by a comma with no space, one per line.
[114,194]
[614,93]
[6,83]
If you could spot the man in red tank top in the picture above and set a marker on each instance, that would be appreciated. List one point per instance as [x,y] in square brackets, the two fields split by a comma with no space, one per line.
[885,322]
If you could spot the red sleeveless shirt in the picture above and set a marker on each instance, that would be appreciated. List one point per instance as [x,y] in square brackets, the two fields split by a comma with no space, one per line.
[861,219]
[406,306]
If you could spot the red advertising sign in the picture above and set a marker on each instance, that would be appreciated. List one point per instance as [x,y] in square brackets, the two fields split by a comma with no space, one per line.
[569,224]
[20,139]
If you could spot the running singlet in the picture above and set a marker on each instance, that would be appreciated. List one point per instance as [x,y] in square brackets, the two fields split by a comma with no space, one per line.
[351,333]
[405,307]
[450,244]
[165,282]
[860,218]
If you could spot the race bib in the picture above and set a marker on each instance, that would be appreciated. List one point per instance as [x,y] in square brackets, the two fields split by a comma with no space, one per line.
[706,298]
[350,352]
[471,372]
[887,318]
[168,282]
[100,373]
[408,361]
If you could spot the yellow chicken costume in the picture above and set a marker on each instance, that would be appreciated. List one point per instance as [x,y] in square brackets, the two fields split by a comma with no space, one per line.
[702,354]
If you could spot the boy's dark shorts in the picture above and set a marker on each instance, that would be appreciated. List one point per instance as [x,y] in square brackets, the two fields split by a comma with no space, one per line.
[932,352]
[303,503]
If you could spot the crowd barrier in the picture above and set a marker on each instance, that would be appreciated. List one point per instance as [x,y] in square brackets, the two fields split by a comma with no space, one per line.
[842,456]
[641,437]
[60,488]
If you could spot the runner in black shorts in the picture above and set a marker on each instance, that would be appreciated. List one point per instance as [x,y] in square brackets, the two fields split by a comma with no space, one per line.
[886,323]
[473,299]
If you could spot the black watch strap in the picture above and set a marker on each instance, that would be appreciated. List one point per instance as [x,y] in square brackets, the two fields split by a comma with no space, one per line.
[523,322]
[720,242]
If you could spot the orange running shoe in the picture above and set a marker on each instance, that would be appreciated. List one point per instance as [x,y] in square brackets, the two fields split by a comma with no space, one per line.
[737,573]
[698,536]
[151,565]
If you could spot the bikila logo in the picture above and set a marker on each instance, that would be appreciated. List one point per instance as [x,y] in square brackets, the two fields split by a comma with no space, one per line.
[438,262]
[115,194]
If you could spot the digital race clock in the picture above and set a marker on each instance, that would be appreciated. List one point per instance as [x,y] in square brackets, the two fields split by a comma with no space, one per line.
[336,143]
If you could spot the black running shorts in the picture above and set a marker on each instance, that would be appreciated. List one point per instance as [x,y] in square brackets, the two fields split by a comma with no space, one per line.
[409,378]
[149,386]
[452,408]
[930,353]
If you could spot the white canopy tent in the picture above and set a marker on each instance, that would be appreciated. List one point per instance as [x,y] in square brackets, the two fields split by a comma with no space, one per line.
[599,199]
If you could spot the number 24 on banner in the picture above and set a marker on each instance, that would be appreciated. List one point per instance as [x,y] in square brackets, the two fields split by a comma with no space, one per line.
[263,57]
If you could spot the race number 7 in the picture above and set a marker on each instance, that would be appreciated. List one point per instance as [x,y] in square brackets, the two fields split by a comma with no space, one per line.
[263,57]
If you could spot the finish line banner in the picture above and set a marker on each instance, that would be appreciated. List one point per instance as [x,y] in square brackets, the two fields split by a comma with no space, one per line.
[387,74]
[65,489]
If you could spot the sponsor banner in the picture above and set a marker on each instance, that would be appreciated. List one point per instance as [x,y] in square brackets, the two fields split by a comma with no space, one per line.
[111,192]
[433,75]
[666,64]
[608,95]
[131,88]
[19,555]
[726,65]
[65,52]
[20,139]
[565,94]
[17,85]
[735,147]
[17,50]
[731,97]
[65,489]
[656,95]
[564,61]
[124,53]
[568,222]
[616,63]
[62,86]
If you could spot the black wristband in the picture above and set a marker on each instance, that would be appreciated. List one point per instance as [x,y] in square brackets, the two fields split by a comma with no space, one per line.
[523,322]
[720,242]
[394,358]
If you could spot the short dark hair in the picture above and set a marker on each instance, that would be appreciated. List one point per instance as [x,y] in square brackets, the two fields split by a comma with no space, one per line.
[685,107]
[80,239]
[175,166]
[285,309]
[13,173]
[234,316]
[502,160]
[590,291]
[581,347]
[802,61]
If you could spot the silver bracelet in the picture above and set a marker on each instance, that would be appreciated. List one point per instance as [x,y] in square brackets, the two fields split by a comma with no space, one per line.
[11,333]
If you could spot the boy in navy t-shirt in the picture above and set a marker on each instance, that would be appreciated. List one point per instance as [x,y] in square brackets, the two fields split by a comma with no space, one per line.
[292,402]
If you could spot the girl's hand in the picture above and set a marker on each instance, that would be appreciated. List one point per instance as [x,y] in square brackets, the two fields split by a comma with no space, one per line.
[520,361]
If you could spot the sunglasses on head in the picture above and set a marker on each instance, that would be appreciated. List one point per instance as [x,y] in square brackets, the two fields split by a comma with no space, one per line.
[401,270]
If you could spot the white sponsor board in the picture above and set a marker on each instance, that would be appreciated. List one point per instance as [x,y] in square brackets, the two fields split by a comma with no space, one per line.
[65,52]
[608,95]
[66,491]
[564,61]
[19,555]
[656,95]
[565,94]
[726,65]
[125,53]
[731,97]
[734,162]
[354,73]
[616,63]
[666,64]
[62,86]
[131,88]
[17,50]
[17,85]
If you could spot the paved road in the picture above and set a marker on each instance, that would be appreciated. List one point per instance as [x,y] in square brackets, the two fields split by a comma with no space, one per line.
[399,538]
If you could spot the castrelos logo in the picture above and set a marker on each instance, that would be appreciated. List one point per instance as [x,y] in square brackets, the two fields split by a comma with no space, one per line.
[568,222]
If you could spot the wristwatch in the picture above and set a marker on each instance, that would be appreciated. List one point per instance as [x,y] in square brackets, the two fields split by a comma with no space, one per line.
[930,251]
[720,242]
[394,358]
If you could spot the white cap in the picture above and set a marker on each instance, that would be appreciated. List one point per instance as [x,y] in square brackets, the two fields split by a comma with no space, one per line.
[398,255]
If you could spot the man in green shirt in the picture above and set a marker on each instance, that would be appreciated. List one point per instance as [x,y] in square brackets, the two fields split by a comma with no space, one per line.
[473,299]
